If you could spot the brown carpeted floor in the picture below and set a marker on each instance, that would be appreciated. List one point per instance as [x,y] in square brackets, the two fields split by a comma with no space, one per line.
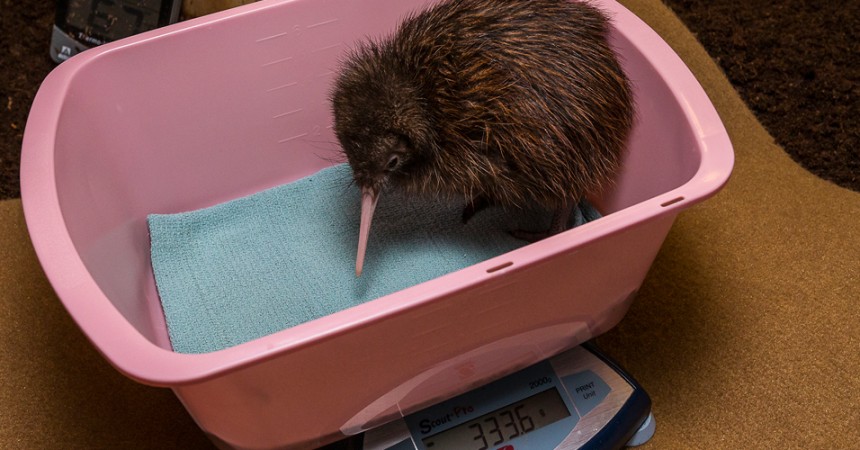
[745,334]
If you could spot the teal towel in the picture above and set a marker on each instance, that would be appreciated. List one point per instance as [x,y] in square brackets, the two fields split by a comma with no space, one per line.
[259,264]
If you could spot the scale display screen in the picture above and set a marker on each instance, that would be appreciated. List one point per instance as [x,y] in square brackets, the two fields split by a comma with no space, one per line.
[502,425]
[577,399]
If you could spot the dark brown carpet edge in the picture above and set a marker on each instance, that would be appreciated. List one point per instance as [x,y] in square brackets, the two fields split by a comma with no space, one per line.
[796,65]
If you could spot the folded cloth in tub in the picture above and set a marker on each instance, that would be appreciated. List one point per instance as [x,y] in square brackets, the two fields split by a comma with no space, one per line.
[249,267]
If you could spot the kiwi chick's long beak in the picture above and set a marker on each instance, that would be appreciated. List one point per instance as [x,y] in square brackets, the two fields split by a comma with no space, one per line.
[369,198]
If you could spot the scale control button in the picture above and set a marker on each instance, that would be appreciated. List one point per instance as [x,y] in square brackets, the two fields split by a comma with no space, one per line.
[586,389]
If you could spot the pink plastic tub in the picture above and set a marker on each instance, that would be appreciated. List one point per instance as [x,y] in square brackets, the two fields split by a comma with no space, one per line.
[212,109]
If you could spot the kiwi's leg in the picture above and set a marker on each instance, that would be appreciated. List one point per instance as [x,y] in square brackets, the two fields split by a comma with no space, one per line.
[474,206]
[560,217]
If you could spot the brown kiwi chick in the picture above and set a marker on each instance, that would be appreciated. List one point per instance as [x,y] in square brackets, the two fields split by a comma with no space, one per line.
[505,102]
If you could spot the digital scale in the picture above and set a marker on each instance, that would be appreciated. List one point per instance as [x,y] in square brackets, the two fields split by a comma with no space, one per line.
[579,399]
[82,24]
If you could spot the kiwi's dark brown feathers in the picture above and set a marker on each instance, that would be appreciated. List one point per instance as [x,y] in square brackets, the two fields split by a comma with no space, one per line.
[513,101]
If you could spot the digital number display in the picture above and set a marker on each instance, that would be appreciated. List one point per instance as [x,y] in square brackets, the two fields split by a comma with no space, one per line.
[100,21]
[503,424]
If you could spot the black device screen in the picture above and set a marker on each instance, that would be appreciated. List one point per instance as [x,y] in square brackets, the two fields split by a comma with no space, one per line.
[94,22]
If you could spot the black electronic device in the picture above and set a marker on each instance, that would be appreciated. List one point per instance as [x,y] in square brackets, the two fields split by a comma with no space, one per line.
[82,24]
[577,400]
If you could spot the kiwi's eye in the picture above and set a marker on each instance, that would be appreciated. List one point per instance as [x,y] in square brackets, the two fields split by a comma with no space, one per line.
[393,161]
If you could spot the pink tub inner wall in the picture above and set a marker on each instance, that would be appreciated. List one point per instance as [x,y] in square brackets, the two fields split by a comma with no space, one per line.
[224,106]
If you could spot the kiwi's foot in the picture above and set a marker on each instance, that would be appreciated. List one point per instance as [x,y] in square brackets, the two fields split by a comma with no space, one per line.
[558,224]
[530,236]
[476,205]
